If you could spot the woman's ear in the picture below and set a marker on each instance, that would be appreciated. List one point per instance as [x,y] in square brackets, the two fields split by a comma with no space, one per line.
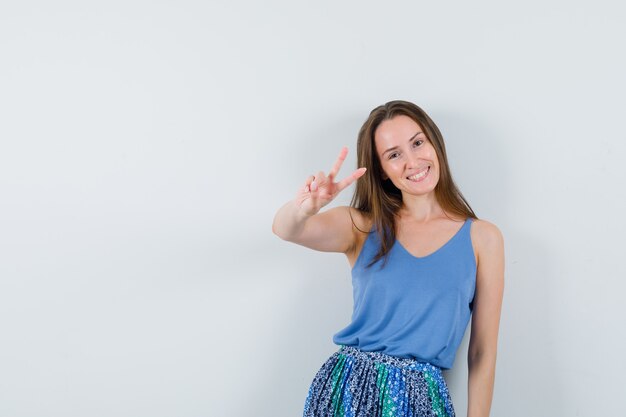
[385,177]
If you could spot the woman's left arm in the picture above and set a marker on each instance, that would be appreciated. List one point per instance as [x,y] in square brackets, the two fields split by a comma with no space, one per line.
[481,358]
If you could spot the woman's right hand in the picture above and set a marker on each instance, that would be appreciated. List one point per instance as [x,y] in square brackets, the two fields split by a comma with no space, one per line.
[319,190]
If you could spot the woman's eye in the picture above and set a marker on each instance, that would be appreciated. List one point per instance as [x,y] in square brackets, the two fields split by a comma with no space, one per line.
[393,155]
[418,142]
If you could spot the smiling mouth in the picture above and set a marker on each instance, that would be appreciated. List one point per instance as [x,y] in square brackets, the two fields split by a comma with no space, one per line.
[419,176]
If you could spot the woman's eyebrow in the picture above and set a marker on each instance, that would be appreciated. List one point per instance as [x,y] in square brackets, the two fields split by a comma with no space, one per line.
[410,139]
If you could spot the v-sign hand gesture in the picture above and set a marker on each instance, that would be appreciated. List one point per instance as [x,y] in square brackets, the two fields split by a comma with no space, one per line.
[320,190]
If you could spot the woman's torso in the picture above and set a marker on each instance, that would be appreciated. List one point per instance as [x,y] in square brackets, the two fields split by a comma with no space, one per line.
[419,303]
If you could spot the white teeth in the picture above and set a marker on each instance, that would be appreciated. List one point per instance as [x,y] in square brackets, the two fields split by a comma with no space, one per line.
[418,176]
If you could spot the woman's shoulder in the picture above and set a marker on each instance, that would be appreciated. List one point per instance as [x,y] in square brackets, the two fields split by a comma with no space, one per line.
[486,229]
[361,226]
[486,235]
[361,220]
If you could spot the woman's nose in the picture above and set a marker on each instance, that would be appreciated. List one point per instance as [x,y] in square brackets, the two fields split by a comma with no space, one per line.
[412,160]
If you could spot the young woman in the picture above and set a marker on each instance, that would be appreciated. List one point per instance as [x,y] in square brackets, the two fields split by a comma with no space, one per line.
[422,263]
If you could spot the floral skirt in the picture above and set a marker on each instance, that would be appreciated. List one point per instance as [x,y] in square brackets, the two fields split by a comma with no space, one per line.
[355,383]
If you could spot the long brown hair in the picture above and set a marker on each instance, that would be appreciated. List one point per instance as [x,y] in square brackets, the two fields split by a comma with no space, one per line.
[379,198]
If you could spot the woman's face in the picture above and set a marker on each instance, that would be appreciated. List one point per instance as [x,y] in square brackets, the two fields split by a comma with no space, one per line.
[406,155]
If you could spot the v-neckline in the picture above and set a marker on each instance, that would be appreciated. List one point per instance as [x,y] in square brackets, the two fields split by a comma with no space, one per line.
[440,248]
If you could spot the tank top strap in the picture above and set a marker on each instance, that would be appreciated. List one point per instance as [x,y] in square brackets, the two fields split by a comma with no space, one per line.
[463,239]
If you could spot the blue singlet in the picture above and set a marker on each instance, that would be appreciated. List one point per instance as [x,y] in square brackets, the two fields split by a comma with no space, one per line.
[413,307]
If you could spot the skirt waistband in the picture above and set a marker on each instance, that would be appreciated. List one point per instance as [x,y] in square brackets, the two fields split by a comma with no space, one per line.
[380,357]
[356,383]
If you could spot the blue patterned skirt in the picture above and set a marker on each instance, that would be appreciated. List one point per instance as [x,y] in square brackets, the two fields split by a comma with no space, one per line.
[355,383]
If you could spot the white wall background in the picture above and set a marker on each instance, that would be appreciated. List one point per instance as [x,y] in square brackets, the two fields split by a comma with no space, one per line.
[145,147]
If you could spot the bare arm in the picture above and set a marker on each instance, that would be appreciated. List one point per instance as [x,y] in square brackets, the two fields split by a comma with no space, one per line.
[329,231]
[485,318]
[300,221]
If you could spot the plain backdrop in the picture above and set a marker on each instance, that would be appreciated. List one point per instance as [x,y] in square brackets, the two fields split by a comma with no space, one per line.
[146,145]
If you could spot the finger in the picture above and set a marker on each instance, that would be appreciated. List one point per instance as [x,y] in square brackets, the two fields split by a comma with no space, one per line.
[320,180]
[349,180]
[309,180]
[335,169]
[307,184]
